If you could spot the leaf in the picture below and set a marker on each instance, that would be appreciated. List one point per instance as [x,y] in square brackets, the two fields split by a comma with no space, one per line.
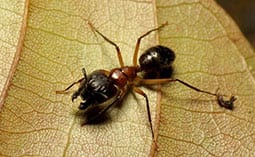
[211,53]
[12,35]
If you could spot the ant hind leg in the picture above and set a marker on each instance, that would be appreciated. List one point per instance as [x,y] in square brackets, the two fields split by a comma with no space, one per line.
[228,104]
[139,41]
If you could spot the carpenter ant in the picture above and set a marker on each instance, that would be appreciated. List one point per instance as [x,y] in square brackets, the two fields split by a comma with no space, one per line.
[156,65]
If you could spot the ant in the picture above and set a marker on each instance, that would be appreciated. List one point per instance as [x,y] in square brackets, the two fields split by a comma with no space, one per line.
[156,65]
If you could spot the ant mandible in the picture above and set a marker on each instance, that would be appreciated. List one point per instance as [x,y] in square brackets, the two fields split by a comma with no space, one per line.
[102,85]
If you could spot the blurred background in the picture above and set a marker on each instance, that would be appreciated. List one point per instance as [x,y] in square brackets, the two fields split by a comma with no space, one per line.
[243,12]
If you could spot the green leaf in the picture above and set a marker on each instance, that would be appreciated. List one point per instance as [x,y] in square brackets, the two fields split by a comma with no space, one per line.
[53,42]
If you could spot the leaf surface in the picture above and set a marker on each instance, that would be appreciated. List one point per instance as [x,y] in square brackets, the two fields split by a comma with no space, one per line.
[211,53]
[12,29]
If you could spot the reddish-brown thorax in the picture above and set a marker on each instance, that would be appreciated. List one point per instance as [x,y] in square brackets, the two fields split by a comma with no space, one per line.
[121,76]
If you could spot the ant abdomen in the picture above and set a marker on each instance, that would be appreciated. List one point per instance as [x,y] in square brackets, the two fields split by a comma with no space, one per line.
[156,62]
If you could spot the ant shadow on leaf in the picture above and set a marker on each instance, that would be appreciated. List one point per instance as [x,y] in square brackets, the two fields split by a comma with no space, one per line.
[84,116]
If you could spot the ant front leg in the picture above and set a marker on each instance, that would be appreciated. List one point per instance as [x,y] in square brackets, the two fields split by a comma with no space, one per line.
[79,81]
[139,41]
[65,90]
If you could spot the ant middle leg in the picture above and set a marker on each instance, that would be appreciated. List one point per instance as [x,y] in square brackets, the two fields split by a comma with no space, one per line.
[139,91]
[112,43]
[139,41]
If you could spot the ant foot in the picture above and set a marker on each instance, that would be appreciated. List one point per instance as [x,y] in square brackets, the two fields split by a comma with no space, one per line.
[228,104]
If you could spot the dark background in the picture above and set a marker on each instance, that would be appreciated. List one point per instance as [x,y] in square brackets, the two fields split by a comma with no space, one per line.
[243,12]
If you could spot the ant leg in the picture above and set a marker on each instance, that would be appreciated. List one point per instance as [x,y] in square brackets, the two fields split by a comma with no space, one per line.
[111,42]
[75,95]
[79,81]
[161,81]
[228,104]
[64,91]
[117,100]
[139,41]
[139,91]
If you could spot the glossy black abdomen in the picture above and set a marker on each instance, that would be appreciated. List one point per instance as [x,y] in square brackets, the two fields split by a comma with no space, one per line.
[156,62]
